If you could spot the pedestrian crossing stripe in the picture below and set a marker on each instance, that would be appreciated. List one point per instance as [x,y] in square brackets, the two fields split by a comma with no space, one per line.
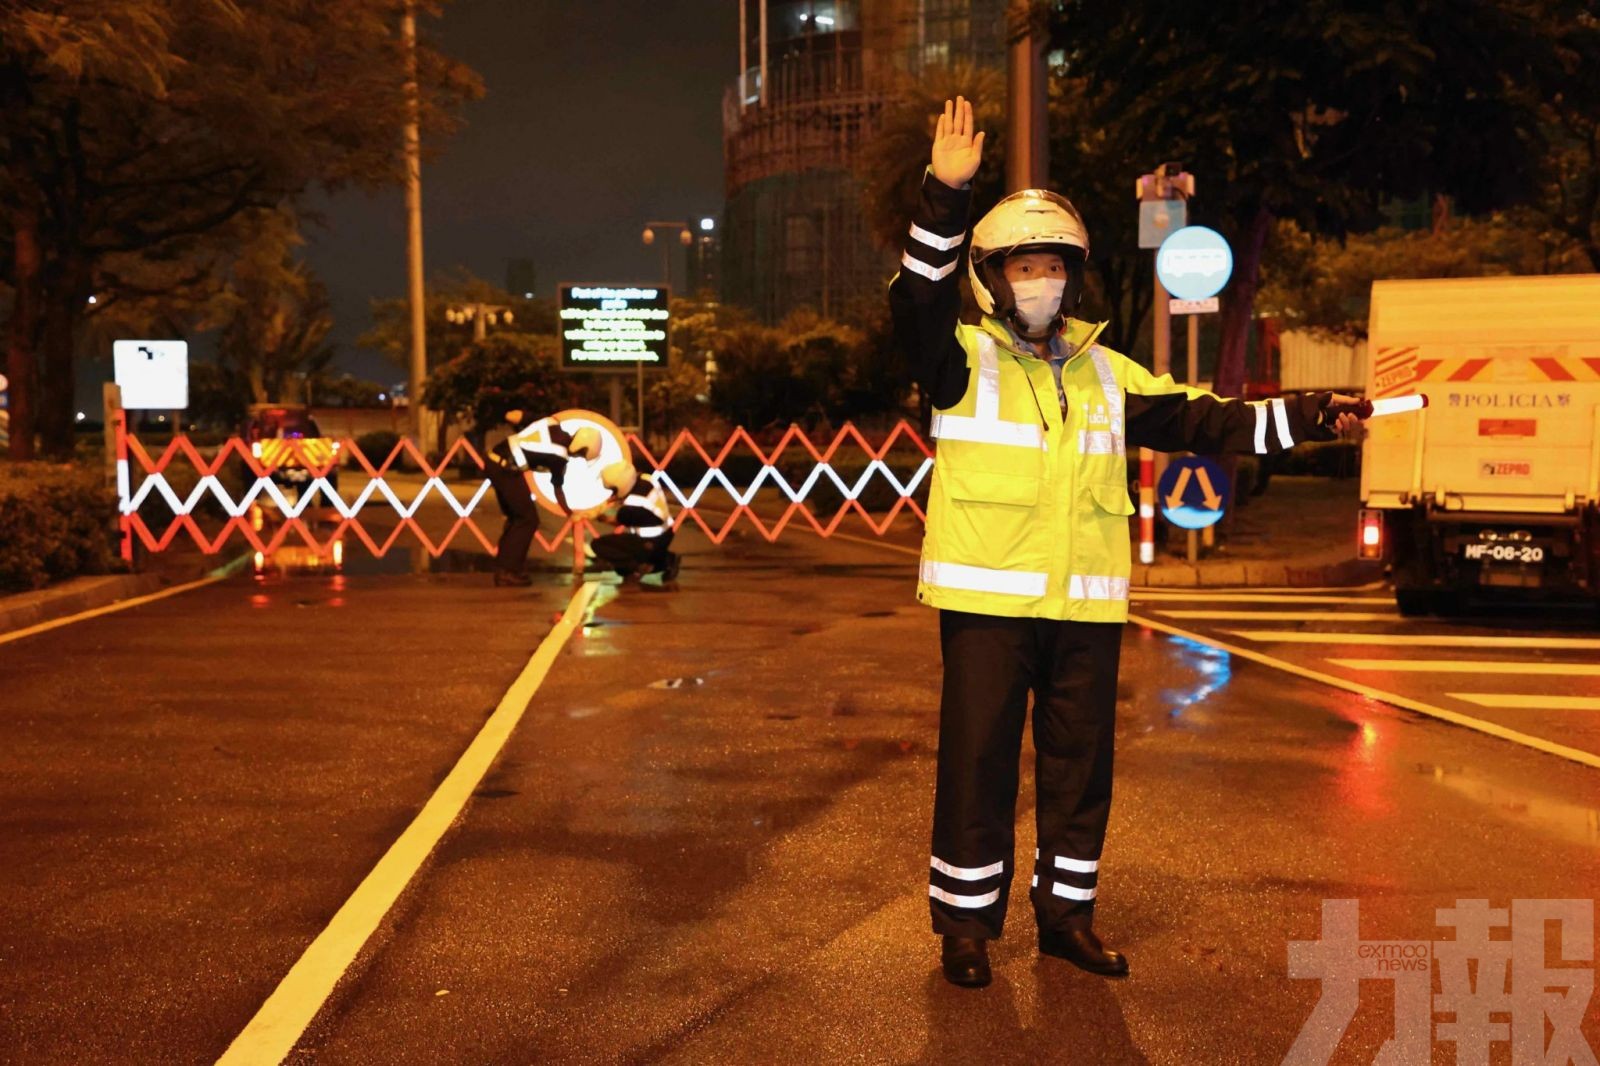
[1468,666]
[1297,636]
[1494,729]
[1528,701]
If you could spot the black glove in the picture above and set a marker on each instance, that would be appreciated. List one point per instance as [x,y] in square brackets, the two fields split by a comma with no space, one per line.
[1315,417]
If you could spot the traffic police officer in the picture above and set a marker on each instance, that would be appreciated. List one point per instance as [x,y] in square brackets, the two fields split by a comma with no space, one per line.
[643,539]
[532,444]
[1026,551]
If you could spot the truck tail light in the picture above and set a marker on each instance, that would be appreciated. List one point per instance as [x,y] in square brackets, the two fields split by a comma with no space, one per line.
[1369,535]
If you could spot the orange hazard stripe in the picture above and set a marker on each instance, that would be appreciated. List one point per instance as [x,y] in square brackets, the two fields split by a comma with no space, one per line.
[1426,367]
[1468,370]
[1554,370]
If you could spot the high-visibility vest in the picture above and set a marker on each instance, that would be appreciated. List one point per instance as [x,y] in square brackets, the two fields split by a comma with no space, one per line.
[654,501]
[1028,510]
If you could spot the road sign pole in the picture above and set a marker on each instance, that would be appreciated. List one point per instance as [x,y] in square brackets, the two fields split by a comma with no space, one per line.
[1147,506]
[1194,382]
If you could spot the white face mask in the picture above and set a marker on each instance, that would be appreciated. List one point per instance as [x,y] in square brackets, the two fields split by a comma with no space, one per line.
[1038,300]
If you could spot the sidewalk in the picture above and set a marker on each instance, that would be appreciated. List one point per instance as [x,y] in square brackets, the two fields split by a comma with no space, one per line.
[1300,532]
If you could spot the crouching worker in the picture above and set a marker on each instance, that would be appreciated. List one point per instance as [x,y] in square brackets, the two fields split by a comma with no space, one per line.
[1026,553]
[643,538]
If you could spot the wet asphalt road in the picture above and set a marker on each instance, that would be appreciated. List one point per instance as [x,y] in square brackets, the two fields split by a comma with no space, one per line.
[728,870]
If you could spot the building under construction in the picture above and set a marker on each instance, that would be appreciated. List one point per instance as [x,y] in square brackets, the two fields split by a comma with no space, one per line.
[814,76]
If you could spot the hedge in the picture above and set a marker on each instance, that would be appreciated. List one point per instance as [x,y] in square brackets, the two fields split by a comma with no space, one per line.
[56,521]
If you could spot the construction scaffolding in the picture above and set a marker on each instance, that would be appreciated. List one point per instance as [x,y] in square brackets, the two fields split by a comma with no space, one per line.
[814,78]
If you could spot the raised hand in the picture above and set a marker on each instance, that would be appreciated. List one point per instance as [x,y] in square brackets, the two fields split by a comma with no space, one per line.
[956,150]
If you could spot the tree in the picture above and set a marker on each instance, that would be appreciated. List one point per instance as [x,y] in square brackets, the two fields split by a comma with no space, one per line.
[1324,284]
[504,371]
[133,131]
[390,333]
[275,319]
[1317,111]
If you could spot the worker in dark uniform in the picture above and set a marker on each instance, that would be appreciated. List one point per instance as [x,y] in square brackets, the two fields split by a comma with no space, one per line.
[531,444]
[1026,552]
[642,541]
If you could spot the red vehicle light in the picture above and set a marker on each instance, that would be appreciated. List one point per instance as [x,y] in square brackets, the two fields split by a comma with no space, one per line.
[1369,535]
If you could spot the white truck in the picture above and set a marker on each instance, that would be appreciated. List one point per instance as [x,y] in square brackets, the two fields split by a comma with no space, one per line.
[1494,488]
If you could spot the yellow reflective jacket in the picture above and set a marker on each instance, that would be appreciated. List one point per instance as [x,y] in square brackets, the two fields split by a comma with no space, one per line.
[1028,508]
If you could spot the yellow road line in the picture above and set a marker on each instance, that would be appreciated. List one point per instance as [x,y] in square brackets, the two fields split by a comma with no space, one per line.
[219,574]
[1283,616]
[1295,636]
[1469,666]
[1527,701]
[1203,596]
[271,1035]
[1587,758]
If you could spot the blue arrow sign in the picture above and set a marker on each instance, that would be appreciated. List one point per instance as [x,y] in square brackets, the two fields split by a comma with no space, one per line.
[1194,492]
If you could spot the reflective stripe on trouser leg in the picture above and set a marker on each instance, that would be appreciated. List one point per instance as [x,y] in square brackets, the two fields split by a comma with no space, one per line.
[1074,721]
[988,662]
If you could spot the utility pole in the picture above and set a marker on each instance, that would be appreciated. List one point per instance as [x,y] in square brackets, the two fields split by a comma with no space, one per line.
[413,151]
[1027,81]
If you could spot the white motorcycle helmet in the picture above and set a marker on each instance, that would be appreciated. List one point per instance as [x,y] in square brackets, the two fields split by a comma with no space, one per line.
[1033,220]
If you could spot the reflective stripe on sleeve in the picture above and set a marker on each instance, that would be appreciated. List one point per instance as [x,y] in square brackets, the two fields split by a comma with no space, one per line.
[1091,587]
[1077,866]
[981,579]
[917,266]
[1280,415]
[1261,428]
[933,240]
[1113,394]
[1071,891]
[987,431]
[643,531]
[963,901]
[966,873]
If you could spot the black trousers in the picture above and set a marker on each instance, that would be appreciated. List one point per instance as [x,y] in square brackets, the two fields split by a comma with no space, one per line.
[990,666]
[522,516]
[626,552]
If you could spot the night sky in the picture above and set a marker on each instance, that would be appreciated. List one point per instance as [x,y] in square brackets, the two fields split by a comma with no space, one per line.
[599,116]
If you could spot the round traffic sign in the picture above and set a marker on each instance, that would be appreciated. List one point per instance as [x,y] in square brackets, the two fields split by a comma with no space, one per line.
[586,493]
[1194,263]
[1194,492]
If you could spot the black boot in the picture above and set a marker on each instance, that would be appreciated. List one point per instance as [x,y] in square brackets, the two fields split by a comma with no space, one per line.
[511,579]
[1079,946]
[965,961]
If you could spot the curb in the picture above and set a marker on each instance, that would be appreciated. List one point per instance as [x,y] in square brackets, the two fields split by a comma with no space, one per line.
[1302,573]
[77,594]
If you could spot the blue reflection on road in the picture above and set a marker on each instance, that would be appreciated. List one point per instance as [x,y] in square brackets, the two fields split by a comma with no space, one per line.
[1214,666]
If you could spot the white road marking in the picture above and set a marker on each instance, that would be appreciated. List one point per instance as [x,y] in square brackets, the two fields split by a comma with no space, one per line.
[1200,596]
[271,1035]
[1587,758]
[1296,636]
[1469,666]
[1283,616]
[1528,701]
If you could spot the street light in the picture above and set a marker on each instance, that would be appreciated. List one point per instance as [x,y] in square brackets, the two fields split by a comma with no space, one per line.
[481,315]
